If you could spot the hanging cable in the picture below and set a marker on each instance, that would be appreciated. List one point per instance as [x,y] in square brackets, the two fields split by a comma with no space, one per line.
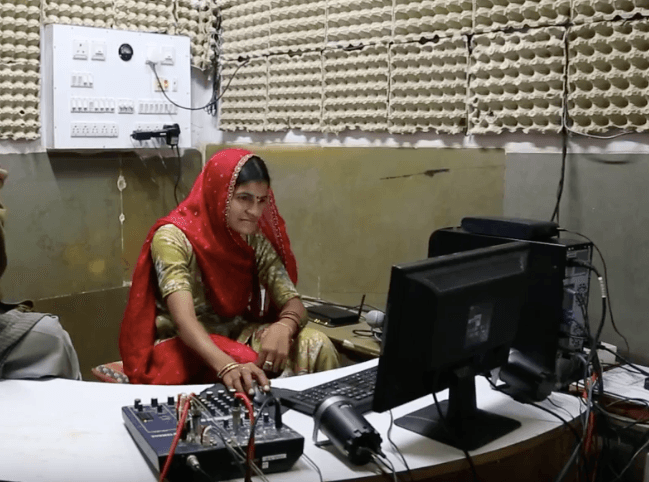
[179,429]
[212,103]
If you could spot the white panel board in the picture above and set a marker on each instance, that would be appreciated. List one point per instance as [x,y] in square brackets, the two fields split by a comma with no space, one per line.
[97,87]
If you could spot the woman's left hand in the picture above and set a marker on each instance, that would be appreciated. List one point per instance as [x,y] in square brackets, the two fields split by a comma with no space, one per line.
[275,345]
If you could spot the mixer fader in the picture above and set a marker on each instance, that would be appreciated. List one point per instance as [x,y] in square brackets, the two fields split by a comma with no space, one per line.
[214,437]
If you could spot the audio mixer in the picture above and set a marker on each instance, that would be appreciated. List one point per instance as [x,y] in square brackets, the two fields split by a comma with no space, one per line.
[215,436]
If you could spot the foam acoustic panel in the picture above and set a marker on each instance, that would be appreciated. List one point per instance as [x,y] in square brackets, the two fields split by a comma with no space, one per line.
[516,81]
[608,77]
[356,89]
[428,86]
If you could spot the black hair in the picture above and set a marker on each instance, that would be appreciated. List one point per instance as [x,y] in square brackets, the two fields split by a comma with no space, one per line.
[253,170]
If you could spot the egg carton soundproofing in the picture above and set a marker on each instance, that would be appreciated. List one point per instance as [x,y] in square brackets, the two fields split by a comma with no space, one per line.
[247,95]
[297,26]
[294,92]
[20,70]
[194,18]
[589,11]
[516,81]
[356,89]
[197,19]
[428,86]
[99,13]
[245,28]
[608,77]
[361,22]
[493,15]
[416,20]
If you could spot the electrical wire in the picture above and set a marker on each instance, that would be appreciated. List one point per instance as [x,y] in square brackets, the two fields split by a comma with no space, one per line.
[200,470]
[381,463]
[610,308]
[626,467]
[180,173]
[403,459]
[314,465]
[564,155]
[239,455]
[453,434]
[635,367]
[212,103]
[179,429]
[251,441]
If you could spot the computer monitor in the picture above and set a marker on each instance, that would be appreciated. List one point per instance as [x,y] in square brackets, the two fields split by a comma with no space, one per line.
[546,354]
[449,319]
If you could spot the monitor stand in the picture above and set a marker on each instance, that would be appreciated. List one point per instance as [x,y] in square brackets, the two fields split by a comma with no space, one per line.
[462,425]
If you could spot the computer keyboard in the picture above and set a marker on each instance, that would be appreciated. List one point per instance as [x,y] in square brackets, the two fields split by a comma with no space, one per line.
[358,387]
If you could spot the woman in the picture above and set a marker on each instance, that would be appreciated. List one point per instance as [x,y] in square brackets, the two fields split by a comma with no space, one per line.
[196,287]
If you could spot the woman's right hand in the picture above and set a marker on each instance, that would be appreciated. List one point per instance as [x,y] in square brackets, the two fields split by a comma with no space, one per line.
[241,378]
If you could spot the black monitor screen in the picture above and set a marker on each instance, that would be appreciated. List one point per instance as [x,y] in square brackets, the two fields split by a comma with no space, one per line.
[448,319]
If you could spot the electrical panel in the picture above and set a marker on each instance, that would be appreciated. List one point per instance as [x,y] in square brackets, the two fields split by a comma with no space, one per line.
[101,85]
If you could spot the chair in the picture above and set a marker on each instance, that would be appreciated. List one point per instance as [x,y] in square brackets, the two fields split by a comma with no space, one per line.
[110,372]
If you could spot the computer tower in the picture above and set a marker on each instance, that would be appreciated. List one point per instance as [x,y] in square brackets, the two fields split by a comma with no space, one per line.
[551,333]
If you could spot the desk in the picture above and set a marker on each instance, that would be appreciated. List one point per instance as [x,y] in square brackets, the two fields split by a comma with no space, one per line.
[356,347]
[72,431]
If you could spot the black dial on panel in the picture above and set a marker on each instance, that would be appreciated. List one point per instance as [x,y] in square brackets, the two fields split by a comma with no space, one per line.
[125,52]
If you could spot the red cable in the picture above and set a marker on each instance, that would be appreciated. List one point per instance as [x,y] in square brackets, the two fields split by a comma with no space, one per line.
[174,443]
[590,432]
[251,442]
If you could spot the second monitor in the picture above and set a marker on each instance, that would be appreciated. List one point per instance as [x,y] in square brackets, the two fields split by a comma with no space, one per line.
[449,319]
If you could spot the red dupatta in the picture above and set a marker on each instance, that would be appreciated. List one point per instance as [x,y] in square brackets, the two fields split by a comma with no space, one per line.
[228,272]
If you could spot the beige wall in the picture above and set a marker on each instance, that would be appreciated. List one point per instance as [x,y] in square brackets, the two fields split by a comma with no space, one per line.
[351,214]
[354,212]
[66,246]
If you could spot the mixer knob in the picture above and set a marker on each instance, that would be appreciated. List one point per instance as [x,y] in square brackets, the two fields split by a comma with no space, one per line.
[154,402]
[171,400]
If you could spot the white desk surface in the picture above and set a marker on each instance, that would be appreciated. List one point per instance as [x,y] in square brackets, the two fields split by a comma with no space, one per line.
[72,431]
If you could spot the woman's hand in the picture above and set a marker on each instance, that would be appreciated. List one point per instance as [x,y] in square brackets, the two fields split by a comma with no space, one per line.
[275,345]
[241,378]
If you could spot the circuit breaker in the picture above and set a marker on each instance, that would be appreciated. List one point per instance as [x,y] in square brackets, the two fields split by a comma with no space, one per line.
[99,87]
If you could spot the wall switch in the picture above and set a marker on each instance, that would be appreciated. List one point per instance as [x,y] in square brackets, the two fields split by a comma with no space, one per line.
[168,55]
[98,51]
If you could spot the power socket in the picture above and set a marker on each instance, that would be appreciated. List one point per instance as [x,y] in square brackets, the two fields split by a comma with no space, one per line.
[80,49]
